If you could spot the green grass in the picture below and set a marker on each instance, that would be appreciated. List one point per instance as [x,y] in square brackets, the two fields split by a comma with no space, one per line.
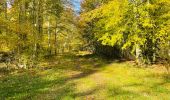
[86,78]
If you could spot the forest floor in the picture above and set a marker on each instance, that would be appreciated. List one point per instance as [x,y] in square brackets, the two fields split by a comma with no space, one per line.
[86,78]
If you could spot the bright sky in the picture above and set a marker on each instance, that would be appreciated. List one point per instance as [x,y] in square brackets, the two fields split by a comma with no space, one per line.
[76,4]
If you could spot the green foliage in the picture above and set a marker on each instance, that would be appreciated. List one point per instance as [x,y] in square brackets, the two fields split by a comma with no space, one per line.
[131,24]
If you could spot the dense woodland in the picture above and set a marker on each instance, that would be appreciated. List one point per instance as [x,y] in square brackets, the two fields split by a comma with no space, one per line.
[34,29]
[38,35]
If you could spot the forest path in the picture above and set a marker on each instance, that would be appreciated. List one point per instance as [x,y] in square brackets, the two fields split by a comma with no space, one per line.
[86,78]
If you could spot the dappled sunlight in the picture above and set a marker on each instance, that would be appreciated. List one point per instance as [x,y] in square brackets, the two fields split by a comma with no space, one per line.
[95,78]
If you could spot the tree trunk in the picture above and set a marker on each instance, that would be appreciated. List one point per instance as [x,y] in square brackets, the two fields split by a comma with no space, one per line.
[49,36]
[55,44]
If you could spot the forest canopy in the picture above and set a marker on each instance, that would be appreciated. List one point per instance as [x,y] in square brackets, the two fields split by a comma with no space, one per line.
[141,26]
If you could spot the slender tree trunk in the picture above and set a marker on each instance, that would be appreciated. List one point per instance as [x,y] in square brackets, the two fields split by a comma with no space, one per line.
[55,44]
[34,49]
[138,49]
[6,9]
[19,21]
[49,36]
